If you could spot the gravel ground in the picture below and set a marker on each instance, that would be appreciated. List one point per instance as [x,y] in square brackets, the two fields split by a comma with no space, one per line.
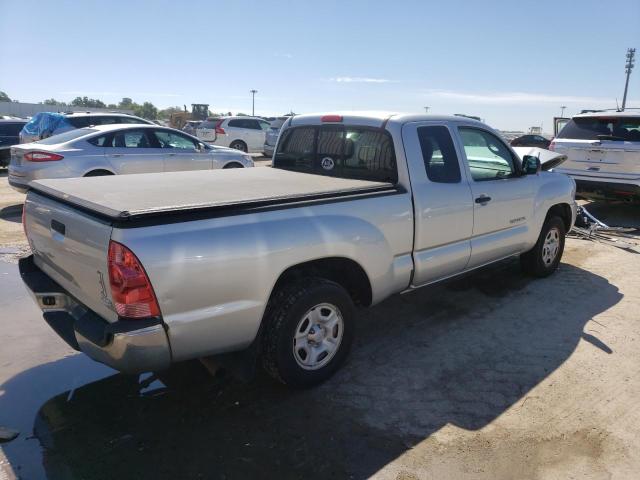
[491,376]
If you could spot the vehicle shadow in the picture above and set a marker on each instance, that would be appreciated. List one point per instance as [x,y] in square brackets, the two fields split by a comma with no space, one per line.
[461,353]
[617,214]
[12,213]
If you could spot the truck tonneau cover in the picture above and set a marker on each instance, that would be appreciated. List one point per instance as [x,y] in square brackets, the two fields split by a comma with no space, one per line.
[121,197]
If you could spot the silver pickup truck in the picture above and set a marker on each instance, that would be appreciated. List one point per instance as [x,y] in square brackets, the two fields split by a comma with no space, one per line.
[140,271]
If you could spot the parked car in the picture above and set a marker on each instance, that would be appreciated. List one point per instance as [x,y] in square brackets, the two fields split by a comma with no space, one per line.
[9,135]
[271,137]
[140,271]
[603,154]
[240,133]
[531,141]
[46,124]
[116,149]
[190,126]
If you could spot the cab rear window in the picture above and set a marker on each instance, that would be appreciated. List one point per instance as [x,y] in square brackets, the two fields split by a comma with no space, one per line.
[362,153]
[602,128]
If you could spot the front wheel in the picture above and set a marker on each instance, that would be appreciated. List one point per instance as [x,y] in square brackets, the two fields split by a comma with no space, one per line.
[543,259]
[308,332]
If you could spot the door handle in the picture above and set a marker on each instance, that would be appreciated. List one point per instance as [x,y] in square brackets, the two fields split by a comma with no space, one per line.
[116,154]
[482,199]
[171,154]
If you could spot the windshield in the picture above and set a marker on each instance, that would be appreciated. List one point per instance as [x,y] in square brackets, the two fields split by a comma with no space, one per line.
[602,128]
[67,136]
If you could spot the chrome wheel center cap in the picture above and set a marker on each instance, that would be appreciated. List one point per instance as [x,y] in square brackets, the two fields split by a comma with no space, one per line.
[316,334]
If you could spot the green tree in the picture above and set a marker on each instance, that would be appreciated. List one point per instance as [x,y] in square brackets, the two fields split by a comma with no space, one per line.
[87,102]
[166,112]
[112,105]
[146,110]
[53,101]
[126,103]
[4,97]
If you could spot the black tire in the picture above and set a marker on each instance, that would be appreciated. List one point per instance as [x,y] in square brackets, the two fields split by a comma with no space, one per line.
[233,165]
[98,173]
[239,145]
[287,308]
[537,262]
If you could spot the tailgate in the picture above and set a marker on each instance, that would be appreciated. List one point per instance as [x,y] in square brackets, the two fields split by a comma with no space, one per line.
[609,159]
[71,247]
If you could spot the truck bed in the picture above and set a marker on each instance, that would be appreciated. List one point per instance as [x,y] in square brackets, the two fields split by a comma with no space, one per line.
[128,197]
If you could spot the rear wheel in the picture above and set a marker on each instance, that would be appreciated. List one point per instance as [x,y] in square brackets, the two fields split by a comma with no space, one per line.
[308,331]
[98,173]
[543,259]
[239,145]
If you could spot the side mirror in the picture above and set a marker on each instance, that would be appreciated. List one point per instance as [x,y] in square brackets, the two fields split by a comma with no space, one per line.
[201,147]
[531,165]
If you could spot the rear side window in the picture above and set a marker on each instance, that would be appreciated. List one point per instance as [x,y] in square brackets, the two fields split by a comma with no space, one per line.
[206,124]
[130,139]
[78,122]
[602,128]
[238,123]
[134,120]
[98,141]
[10,129]
[345,152]
[439,154]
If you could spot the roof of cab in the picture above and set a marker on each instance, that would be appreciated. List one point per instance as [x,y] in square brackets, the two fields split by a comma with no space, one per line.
[375,118]
[609,114]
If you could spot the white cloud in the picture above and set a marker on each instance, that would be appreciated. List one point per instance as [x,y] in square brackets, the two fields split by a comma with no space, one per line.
[360,80]
[283,55]
[514,98]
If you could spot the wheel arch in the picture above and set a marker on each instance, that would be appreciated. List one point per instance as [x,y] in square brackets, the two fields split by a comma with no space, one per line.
[342,270]
[562,210]
[103,171]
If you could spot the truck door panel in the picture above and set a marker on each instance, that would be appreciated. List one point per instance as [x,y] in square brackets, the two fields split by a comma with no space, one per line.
[503,198]
[443,206]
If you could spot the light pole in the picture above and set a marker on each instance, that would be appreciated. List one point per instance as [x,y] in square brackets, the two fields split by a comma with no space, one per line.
[426,109]
[253,102]
[631,55]
[562,110]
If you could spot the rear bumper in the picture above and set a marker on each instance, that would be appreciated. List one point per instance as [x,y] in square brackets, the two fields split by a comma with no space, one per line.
[268,150]
[607,189]
[18,185]
[130,346]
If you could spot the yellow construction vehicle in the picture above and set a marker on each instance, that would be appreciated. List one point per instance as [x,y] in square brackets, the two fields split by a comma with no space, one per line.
[199,111]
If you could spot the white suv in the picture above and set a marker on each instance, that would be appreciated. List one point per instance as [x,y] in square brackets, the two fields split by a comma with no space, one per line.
[242,133]
[603,154]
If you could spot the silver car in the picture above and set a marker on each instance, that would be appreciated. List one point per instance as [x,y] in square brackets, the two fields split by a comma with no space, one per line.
[116,149]
[271,137]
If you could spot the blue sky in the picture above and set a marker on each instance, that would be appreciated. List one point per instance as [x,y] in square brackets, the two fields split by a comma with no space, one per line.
[511,63]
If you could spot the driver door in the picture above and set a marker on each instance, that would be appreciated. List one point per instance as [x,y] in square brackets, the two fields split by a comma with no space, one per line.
[502,196]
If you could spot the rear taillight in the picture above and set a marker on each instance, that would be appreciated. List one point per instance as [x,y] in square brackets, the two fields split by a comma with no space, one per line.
[552,146]
[131,289]
[219,129]
[42,157]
